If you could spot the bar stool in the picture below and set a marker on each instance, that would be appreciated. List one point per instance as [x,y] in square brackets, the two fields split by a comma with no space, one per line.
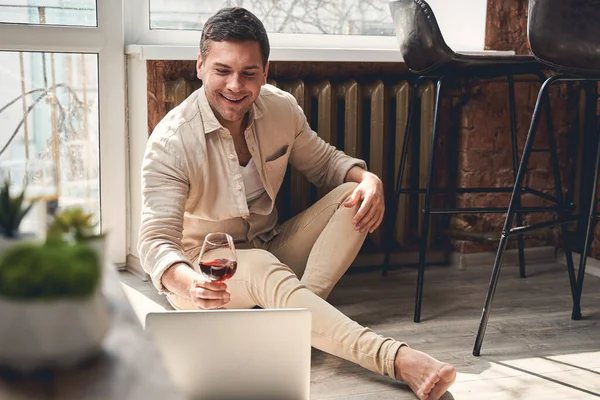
[429,58]
[564,35]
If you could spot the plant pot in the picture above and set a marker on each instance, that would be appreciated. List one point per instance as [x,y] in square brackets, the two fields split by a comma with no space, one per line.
[98,244]
[59,333]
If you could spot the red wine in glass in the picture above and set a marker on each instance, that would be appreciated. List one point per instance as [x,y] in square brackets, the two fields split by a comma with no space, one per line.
[217,261]
[220,269]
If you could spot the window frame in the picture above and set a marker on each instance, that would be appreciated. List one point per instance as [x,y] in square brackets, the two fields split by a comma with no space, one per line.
[162,44]
[107,41]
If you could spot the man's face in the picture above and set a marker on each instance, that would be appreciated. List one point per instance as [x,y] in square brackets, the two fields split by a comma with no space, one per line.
[232,75]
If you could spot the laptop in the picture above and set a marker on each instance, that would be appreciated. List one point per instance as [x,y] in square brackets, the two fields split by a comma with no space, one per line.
[235,354]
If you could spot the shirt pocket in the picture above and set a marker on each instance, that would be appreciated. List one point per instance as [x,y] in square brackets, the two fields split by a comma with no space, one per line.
[278,153]
[275,168]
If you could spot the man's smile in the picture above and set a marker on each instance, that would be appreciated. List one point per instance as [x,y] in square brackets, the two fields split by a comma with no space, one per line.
[233,99]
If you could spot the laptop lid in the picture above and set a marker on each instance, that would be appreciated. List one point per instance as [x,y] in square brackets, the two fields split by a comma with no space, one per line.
[236,354]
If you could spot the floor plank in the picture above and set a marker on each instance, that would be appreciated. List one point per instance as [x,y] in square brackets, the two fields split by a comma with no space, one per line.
[532,349]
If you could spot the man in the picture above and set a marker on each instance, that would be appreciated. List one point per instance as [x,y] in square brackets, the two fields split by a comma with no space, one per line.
[216,162]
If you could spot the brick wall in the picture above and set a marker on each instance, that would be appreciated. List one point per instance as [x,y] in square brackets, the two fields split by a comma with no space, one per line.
[484,145]
[485,157]
[158,73]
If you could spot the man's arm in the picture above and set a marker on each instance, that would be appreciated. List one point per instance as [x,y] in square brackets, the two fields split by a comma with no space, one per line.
[165,185]
[324,165]
[356,174]
[178,279]
[369,193]
[164,193]
[321,163]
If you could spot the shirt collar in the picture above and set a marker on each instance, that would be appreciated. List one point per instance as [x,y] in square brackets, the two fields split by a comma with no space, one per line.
[210,121]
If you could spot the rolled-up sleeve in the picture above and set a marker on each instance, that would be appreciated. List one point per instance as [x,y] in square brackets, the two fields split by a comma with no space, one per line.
[320,162]
[165,187]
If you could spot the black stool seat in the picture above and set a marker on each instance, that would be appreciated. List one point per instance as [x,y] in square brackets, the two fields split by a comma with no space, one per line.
[565,35]
[425,51]
[485,65]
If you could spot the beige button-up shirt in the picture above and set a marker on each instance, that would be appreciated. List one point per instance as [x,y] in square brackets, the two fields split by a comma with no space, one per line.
[192,182]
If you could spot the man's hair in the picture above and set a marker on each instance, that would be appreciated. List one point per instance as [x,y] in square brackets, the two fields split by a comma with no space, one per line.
[234,24]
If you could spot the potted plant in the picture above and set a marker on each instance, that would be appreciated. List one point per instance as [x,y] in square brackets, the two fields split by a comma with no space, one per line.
[74,225]
[12,211]
[53,311]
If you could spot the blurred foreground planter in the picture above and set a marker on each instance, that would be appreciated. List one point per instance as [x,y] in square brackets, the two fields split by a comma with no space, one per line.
[41,334]
[52,309]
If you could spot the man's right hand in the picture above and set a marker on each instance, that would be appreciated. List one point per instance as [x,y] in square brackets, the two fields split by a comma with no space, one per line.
[209,295]
[182,280]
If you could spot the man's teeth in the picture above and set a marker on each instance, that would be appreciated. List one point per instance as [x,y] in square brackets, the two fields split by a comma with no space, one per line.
[234,100]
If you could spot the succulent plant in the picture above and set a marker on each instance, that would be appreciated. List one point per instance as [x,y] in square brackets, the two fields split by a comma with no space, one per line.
[30,271]
[12,211]
[71,224]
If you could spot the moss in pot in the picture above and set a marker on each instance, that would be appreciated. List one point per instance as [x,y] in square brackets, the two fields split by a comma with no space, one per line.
[30,271]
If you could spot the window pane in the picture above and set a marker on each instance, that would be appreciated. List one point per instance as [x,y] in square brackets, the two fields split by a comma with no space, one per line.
[50,12]
[335,17]
[49,120]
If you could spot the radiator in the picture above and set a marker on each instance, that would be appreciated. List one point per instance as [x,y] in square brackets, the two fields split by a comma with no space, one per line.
[365,119]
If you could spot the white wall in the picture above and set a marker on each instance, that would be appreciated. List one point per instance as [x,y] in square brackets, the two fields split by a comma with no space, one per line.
[462,22]
[138,135]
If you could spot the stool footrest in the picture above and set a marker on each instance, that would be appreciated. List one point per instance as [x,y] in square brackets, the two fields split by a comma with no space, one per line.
[477,190]
[493,210]
[555,222]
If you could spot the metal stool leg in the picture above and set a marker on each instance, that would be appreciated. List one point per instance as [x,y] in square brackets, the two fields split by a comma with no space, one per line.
[590,223]
[389,237]
[559,196]
[515,158]
[427,209]
[512,208]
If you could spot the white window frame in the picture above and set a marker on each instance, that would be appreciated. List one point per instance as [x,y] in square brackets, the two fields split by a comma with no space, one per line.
[157,44]
[462,23]
[106,40]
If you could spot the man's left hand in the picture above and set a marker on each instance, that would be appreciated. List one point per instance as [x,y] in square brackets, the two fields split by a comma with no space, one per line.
[369,193]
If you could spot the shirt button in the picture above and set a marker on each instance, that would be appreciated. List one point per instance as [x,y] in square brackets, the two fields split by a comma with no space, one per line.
[231,156]
[239,187]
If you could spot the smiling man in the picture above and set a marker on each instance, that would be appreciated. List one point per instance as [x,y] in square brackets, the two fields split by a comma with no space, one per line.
[215,164]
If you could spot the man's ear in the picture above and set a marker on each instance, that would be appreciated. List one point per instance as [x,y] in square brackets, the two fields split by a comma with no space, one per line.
[266,73]
[199,67]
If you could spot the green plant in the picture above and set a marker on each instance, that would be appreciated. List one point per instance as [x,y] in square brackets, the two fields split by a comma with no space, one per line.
[41,271]
[71,224]
[12,211]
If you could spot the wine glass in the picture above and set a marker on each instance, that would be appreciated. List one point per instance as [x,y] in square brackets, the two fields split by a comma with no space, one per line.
[217,260]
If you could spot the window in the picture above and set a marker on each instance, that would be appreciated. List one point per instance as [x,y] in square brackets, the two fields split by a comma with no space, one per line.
[49,112]
[320,17]
[62,73]
[48,12]
[299,30]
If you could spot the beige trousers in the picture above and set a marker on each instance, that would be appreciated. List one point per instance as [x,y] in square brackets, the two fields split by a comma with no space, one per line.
[299,268]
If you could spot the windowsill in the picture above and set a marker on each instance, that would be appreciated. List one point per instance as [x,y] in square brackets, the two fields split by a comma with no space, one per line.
[165,52]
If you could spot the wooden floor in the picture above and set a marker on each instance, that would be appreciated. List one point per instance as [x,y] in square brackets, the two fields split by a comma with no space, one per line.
[532,349]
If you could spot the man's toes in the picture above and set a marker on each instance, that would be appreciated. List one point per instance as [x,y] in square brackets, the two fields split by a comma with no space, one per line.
[429,383]
[433,379]
[421,395]
[447,373]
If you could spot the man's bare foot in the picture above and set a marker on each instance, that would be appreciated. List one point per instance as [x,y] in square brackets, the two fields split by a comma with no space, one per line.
[426,376]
